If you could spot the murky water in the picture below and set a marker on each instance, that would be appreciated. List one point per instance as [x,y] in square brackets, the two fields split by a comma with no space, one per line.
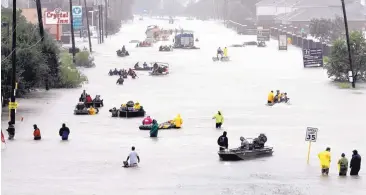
[186,161]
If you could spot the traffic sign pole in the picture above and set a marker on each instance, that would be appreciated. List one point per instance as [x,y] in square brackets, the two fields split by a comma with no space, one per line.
[309,152]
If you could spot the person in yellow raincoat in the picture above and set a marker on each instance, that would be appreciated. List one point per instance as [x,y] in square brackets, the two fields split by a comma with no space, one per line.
[137,106]
[92,110]
[178,121]
[270,98]
[219,119]
[325,159]
[225,52]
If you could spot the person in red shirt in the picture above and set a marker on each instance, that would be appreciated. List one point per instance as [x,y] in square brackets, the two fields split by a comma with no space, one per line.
[88,99]
[147,121]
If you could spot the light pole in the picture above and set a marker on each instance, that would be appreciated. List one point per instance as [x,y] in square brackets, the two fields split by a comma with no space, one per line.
[72,32]
[352,74]
[13,59]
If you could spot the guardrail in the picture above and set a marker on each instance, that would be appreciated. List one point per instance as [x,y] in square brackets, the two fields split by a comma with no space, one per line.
[241,28]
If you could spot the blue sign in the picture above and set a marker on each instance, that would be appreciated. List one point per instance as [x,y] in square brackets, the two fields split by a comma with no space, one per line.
[77,13]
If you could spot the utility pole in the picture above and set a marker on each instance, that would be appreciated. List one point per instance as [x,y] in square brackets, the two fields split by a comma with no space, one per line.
[102,21]
[106,18]
[72,32]
[13,59]
[100,24]
[87,26]
[348,46]
[41,32]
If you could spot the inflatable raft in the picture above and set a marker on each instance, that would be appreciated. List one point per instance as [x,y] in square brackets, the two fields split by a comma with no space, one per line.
[131,114]
[84,111]
[166,125]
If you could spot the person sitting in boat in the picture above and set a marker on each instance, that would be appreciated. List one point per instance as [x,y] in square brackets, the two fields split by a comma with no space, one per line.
[155,68]
[262,140]
[177,121]
[131,72]
[284,98]
[244,143]
[223,141]
[161,48]
[88,99]
[83,96]
[123,107]
[270,98]
[98,100]
[123,49]
[137,106]
[80,106]
[147,121]
[277,98]
[110,72]
[145,65]
[219,52]
[120,80]
[114,112]
[115,71]
[92,110]
[137,66]
[225,52]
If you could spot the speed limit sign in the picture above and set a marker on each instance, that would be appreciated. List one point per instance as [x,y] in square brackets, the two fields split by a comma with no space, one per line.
[311,134]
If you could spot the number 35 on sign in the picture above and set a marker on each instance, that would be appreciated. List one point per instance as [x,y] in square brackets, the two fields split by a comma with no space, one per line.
[311,134]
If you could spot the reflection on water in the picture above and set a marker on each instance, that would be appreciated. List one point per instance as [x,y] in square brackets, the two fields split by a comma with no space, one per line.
[185,161]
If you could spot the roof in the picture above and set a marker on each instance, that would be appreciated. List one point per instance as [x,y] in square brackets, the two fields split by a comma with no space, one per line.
[304,3]
[354,13]
[277,2]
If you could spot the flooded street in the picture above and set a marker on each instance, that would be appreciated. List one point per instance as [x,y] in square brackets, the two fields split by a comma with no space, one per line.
[185,161]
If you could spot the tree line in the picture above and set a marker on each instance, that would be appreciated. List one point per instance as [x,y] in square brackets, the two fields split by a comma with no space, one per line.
[332,32]
[38,63]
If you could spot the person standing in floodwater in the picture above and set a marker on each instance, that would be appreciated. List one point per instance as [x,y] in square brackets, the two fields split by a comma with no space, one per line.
[355,164]
[325,159]
[343,165]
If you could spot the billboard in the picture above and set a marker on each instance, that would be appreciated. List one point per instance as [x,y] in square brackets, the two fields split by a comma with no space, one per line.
[56,16]
[282,42]
[312,57]
[263,34]
[77,16]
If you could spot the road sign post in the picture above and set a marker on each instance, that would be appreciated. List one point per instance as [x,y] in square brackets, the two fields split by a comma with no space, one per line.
[311,136]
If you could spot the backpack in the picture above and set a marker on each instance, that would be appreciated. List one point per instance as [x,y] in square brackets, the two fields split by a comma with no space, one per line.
[221,141]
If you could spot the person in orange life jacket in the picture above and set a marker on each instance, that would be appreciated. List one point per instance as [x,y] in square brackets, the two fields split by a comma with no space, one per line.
[36,133]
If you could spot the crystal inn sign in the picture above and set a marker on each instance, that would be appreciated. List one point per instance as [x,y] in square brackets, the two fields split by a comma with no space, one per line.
[56,16]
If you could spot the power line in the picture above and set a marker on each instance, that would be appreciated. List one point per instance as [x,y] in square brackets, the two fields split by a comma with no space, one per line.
[30,47]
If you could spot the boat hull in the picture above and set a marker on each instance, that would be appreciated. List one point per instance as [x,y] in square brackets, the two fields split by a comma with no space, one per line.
[235,155]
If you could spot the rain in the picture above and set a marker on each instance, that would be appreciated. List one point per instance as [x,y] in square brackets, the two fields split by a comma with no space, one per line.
[185,161]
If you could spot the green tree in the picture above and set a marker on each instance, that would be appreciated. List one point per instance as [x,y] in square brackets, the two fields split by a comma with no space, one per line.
[37,62]
[327,30]
[339,66]
[84,59]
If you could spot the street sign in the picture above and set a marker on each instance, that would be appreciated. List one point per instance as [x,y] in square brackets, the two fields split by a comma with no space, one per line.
[56,16]
[282,42]
[13,105]
[77,16]
[312,57]
[311,134]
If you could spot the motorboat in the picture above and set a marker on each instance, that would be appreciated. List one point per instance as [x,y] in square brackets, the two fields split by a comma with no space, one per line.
[242,154]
